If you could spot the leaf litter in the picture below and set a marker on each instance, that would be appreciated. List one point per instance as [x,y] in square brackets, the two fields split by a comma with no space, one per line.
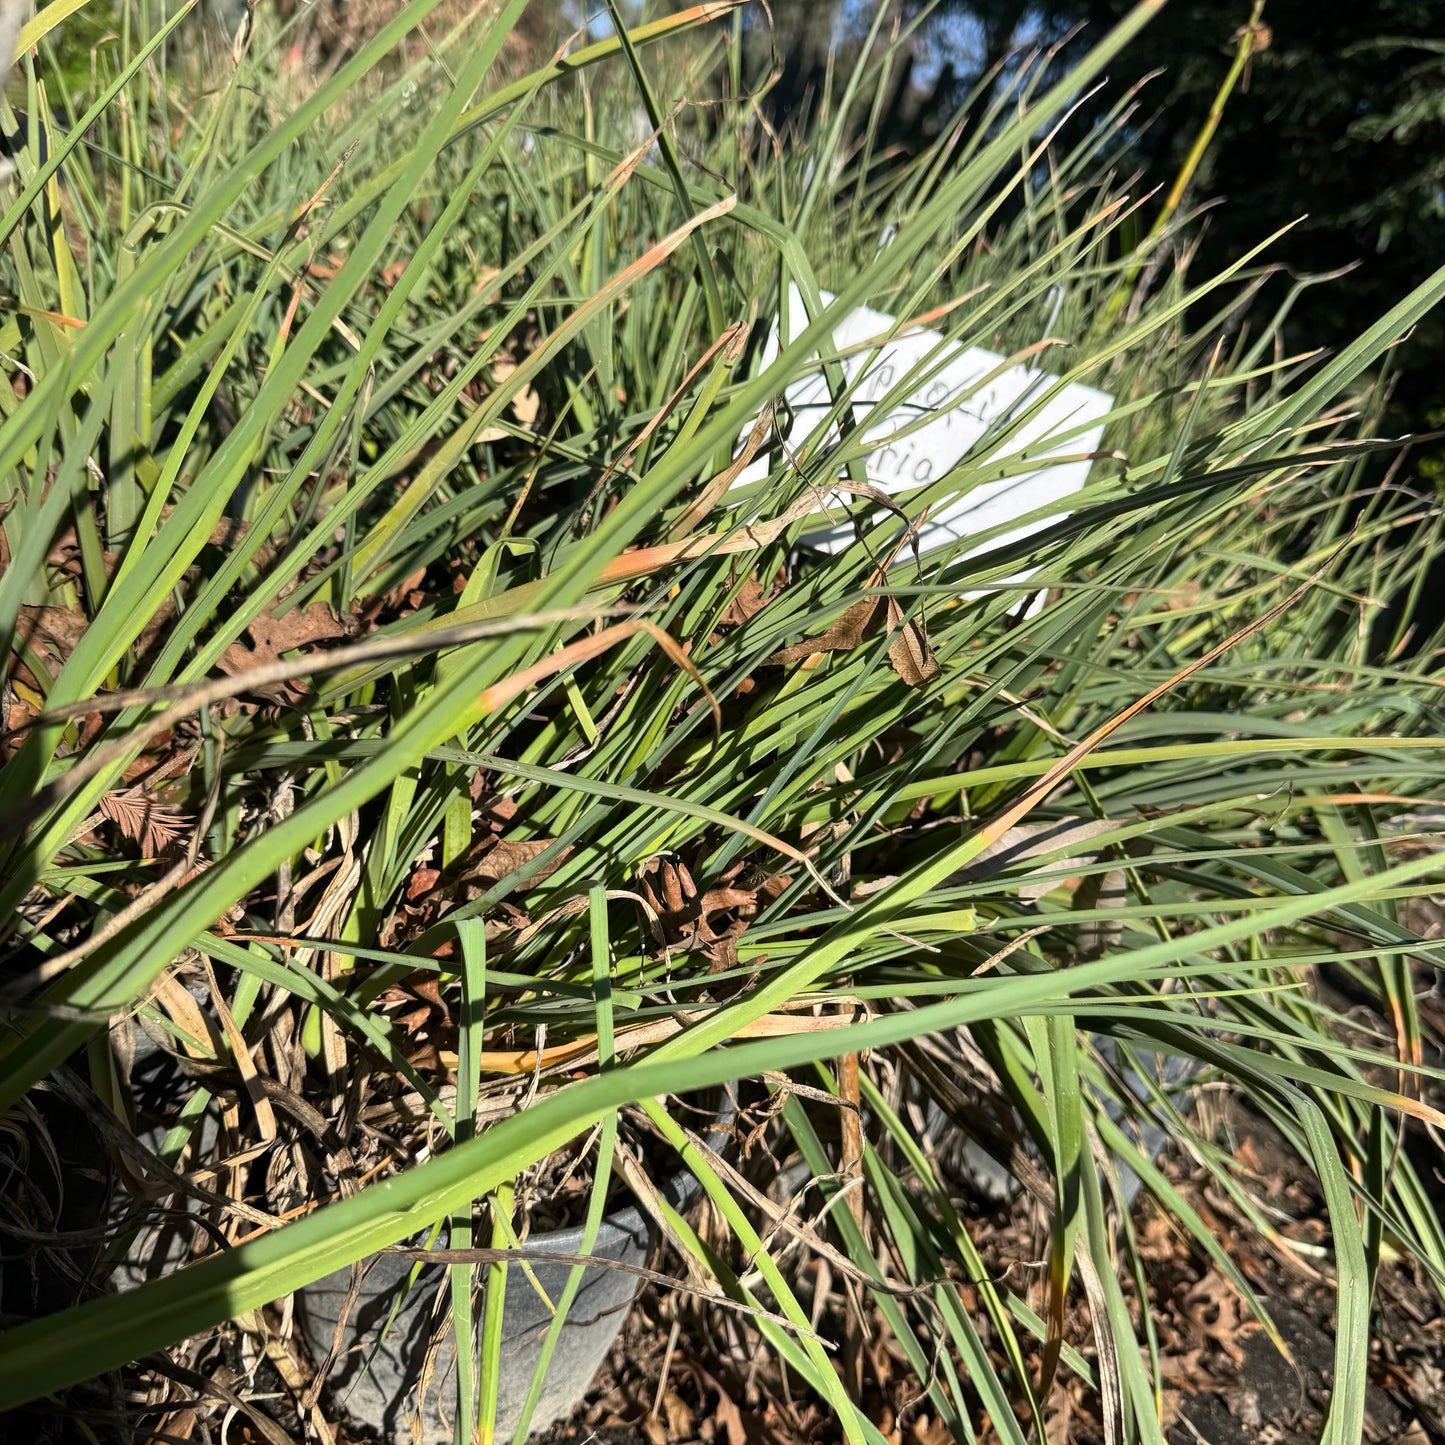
[681,1375]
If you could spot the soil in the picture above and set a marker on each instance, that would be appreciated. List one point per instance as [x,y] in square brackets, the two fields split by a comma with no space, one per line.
[681,1375]
[1260,1399]
[689,1372]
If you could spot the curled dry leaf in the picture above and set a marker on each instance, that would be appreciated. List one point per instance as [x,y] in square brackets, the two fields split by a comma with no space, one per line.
[1219,1315]
[318,623]
[747,604]
[909,652]
[686,916]
[852,628]
[18,716]
[911,656]
[680,1420]
[431,893]
[422,881]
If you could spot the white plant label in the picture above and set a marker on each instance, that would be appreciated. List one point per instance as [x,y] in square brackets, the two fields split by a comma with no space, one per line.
[970,393]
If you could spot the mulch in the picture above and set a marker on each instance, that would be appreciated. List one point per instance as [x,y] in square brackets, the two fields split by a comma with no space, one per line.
[680,1375]
[685,1372]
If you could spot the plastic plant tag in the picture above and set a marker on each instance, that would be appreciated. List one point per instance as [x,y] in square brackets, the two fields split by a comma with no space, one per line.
[971,396]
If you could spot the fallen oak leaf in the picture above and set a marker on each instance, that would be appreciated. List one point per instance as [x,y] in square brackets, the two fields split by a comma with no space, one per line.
[498,856]
[1218,1314]
[423,880]
[272,636]
[525,403]
[909,653]
[53,632]
[318,623]
[507,856]
[684,916]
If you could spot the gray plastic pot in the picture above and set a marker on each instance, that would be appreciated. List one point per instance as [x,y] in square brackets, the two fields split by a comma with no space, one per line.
[995,1182]
[377,1385]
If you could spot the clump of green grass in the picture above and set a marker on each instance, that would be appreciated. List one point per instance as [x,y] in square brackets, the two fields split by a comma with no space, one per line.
[368,527]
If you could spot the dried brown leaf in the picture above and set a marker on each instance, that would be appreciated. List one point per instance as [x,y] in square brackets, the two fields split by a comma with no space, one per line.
[422,882]
[684,915]
[909,652]
[680,1420]
[526,404]
[927,1430]
[51,631]
[1216,1311]
[507,855]
[152,824]
[275,635]
[730,1417]
[272,636]
[851,629]
[747,604]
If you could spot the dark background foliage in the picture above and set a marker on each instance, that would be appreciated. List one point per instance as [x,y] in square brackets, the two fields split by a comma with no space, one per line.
[1338,125]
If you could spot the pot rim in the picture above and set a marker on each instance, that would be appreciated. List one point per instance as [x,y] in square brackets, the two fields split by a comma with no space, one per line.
[680,1190]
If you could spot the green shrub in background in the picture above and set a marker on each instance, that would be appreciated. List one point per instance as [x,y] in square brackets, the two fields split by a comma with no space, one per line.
[366,462]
